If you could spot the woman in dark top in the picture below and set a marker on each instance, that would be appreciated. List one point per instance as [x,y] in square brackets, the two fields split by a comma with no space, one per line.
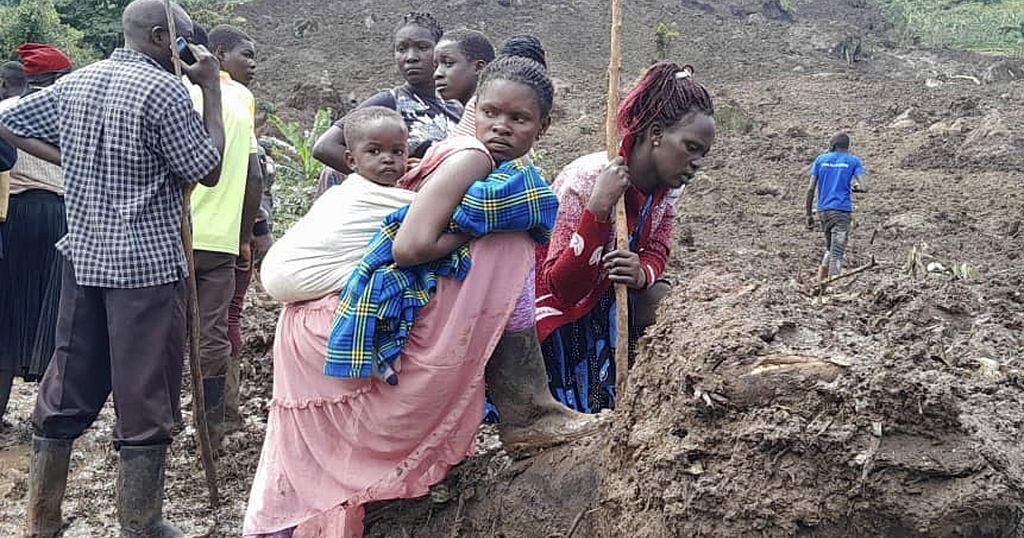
[428,116]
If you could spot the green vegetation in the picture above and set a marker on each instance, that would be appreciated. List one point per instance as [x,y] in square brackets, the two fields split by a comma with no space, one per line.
[987,26]
[297,171]
[664,36]
[38,21]
[730,117]
[86,30]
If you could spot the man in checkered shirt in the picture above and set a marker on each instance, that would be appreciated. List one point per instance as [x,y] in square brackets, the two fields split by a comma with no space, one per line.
[129,140]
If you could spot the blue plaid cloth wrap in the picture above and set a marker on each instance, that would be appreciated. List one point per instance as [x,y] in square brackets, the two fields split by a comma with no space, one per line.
[380,301]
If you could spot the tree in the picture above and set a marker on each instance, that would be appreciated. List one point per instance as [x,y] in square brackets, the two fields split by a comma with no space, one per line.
[38,21]
[86,29]
[99,19]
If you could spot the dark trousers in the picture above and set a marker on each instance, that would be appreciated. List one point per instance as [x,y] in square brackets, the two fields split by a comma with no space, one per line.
[127,341]
[215,286]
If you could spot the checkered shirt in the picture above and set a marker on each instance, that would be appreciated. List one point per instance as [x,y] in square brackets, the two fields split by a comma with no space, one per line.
[380,301]
[130,141]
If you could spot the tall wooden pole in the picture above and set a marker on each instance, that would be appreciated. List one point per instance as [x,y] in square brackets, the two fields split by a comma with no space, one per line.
[195,370]
[621,227]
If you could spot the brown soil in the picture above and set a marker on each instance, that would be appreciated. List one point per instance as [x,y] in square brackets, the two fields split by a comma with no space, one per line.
[892,406]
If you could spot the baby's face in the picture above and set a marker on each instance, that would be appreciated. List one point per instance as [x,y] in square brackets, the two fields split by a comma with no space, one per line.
[381,152]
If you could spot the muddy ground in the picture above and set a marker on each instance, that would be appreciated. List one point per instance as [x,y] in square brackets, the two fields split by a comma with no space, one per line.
[891,406]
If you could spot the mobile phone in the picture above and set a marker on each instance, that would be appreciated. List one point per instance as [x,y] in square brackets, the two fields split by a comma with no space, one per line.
[184,52]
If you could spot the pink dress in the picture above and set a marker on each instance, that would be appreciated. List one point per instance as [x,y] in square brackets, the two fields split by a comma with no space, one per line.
[333,445]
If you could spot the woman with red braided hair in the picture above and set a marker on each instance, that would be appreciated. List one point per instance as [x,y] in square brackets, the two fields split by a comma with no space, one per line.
[667,127]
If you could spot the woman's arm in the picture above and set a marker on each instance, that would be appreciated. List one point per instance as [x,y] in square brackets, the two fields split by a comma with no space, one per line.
[573,267]
[568,271]
[330,149]
[422,236]
[38,148]
[654,256]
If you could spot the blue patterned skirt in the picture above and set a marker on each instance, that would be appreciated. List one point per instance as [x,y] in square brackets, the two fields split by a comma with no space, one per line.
[580,358]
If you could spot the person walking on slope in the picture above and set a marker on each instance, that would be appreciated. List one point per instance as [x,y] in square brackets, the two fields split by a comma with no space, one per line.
[129,141]
[835,176]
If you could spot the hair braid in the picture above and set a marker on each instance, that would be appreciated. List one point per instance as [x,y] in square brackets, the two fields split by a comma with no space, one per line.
[423,20]
[526,46]
[524,71]
[666,94]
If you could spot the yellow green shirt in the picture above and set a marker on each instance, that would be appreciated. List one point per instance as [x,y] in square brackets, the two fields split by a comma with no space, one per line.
[5,192]
[217,211]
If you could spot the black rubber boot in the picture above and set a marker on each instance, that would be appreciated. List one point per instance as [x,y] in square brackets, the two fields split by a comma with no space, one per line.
[47,482]
[6,384]
[518,383]
[213,400]
[140,493]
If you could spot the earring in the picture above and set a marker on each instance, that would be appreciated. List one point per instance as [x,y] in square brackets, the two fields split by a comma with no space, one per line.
[656,143]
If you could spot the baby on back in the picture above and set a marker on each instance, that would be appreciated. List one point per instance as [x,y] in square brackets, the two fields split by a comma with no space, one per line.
[317,255]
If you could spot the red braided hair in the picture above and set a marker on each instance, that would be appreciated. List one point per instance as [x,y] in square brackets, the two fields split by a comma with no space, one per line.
[665,94]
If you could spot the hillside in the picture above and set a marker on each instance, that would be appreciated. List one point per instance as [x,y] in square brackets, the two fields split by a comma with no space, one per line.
[890,407]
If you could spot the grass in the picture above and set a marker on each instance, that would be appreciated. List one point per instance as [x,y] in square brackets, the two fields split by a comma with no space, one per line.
[730,117]
[986,26]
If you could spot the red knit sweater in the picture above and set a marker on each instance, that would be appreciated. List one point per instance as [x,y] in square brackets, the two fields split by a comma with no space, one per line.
[570,278]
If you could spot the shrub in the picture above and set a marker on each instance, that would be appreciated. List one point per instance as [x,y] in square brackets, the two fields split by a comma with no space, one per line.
[986,26]
[38,21]
[298,172]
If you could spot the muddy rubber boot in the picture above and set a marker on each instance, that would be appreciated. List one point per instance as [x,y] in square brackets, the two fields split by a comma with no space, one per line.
[47,482]
[213,400]
[530,415]
[140,493]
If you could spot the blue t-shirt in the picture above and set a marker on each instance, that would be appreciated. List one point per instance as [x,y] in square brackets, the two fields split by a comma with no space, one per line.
[835,172]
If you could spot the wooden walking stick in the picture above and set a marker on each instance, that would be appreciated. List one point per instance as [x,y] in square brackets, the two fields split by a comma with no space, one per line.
[196,374]
[621,227]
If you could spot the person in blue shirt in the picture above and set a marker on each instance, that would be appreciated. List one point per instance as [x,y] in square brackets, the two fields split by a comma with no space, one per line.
[834,177]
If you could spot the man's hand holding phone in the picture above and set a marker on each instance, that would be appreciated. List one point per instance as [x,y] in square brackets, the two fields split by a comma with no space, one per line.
[205,70]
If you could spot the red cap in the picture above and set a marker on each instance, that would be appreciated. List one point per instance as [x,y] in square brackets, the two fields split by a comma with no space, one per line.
[38,59]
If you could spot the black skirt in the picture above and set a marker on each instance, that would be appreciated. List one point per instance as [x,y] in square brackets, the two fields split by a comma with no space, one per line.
[30,276]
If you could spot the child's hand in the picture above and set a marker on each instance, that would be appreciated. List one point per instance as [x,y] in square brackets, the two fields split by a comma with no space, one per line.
[613,181]
[623,267]
[810,222]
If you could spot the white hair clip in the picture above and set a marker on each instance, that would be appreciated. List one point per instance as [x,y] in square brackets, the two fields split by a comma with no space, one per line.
[685,72]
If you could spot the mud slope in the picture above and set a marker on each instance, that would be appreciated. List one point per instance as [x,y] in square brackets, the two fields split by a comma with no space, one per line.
[890,407]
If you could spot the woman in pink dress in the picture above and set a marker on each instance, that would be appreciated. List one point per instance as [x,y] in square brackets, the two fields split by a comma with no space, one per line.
[332,445]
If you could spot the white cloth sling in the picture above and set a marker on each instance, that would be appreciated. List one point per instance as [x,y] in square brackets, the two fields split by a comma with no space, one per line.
[316,255]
